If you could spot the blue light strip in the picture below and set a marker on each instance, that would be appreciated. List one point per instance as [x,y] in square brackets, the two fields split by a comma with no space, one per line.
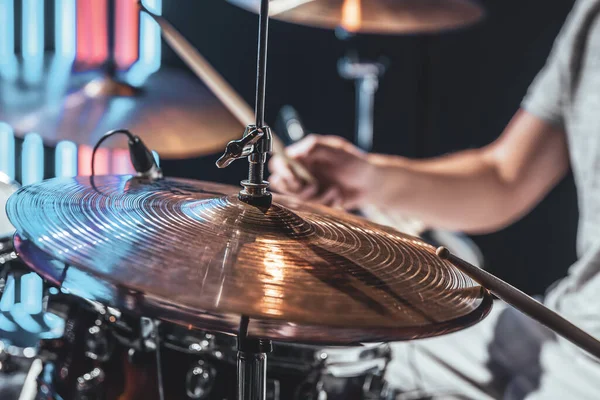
[33,68]
[149,45]
[7,150]
[156,158]
[8,61]
[32,29]
[8,296]
[31,293]
[24,319]
[6,325]
[7,29]
[65,159]
[32,159]
[64,28]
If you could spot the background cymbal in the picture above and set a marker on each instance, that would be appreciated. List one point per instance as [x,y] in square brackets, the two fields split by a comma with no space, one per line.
[373,16]
[320,274]
[173,112]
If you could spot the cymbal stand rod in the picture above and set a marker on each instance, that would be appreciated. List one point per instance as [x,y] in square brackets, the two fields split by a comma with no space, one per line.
[366,77]
[159,374]
[525,304]
[251,364]
[261,75]
[255,188]
[257,141]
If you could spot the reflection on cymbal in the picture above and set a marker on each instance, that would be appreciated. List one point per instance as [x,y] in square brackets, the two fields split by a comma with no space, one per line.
[195,248]
[373,16]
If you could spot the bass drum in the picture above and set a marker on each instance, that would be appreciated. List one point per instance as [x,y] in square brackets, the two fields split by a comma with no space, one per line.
[106,355]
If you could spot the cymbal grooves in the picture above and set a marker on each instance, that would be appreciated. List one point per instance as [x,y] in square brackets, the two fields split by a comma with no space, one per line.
[197,246]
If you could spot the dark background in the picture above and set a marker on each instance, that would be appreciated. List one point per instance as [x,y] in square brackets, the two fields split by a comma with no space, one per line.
[441,93]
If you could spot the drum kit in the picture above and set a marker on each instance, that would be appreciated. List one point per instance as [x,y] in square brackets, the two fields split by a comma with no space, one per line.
[172,288]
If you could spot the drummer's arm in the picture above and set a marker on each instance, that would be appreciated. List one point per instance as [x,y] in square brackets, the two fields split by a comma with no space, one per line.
[478,190]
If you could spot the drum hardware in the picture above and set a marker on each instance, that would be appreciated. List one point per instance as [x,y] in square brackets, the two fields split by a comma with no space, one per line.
[141,157]
[219,86]
[366,77]
[99,346]
[200,380]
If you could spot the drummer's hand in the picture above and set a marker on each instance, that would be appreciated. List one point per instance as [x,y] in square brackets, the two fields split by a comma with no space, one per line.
[341,170]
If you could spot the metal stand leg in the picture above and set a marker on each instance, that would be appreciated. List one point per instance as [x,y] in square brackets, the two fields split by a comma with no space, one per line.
[252,375]
[366,77]
[252,364]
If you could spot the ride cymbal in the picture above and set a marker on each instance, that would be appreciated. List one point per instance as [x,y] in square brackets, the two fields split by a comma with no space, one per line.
[373,16]
[299,271]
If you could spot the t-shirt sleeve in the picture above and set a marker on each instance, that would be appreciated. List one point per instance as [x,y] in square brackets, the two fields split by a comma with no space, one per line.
[549,91]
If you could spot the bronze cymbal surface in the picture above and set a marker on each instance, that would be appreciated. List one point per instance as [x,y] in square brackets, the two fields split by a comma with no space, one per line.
[174,113]
[373,16]
[300,271]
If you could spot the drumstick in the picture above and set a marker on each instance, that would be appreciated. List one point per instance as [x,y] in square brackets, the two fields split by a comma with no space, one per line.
[221,89]
[525,304]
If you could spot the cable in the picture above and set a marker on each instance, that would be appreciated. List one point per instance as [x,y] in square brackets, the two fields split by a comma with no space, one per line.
[106,136]
[142,159]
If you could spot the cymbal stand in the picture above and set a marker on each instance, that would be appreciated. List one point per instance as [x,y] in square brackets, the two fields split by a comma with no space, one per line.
[366,78]
[252,364]
[256,143]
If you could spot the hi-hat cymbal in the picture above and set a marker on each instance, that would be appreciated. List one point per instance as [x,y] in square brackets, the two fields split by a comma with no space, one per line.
[173,112]
[373,16]
[299,271]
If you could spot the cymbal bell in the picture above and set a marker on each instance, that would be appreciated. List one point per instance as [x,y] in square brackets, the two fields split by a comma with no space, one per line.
[176,114]
[373,16]
[300,271]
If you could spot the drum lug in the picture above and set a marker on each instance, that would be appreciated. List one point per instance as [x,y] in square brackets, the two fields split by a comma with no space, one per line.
[7,365]
[98,342]
[90,385]
[200,380]
[148,333]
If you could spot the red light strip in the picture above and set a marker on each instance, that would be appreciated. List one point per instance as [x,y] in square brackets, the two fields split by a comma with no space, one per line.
[101,163]
[115,161]
[126,33]
[121,162]
[83,54]
[92,32]
[99,30]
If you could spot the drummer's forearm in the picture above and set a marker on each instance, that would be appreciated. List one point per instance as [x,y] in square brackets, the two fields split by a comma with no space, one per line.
[462,191]
[478,190]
